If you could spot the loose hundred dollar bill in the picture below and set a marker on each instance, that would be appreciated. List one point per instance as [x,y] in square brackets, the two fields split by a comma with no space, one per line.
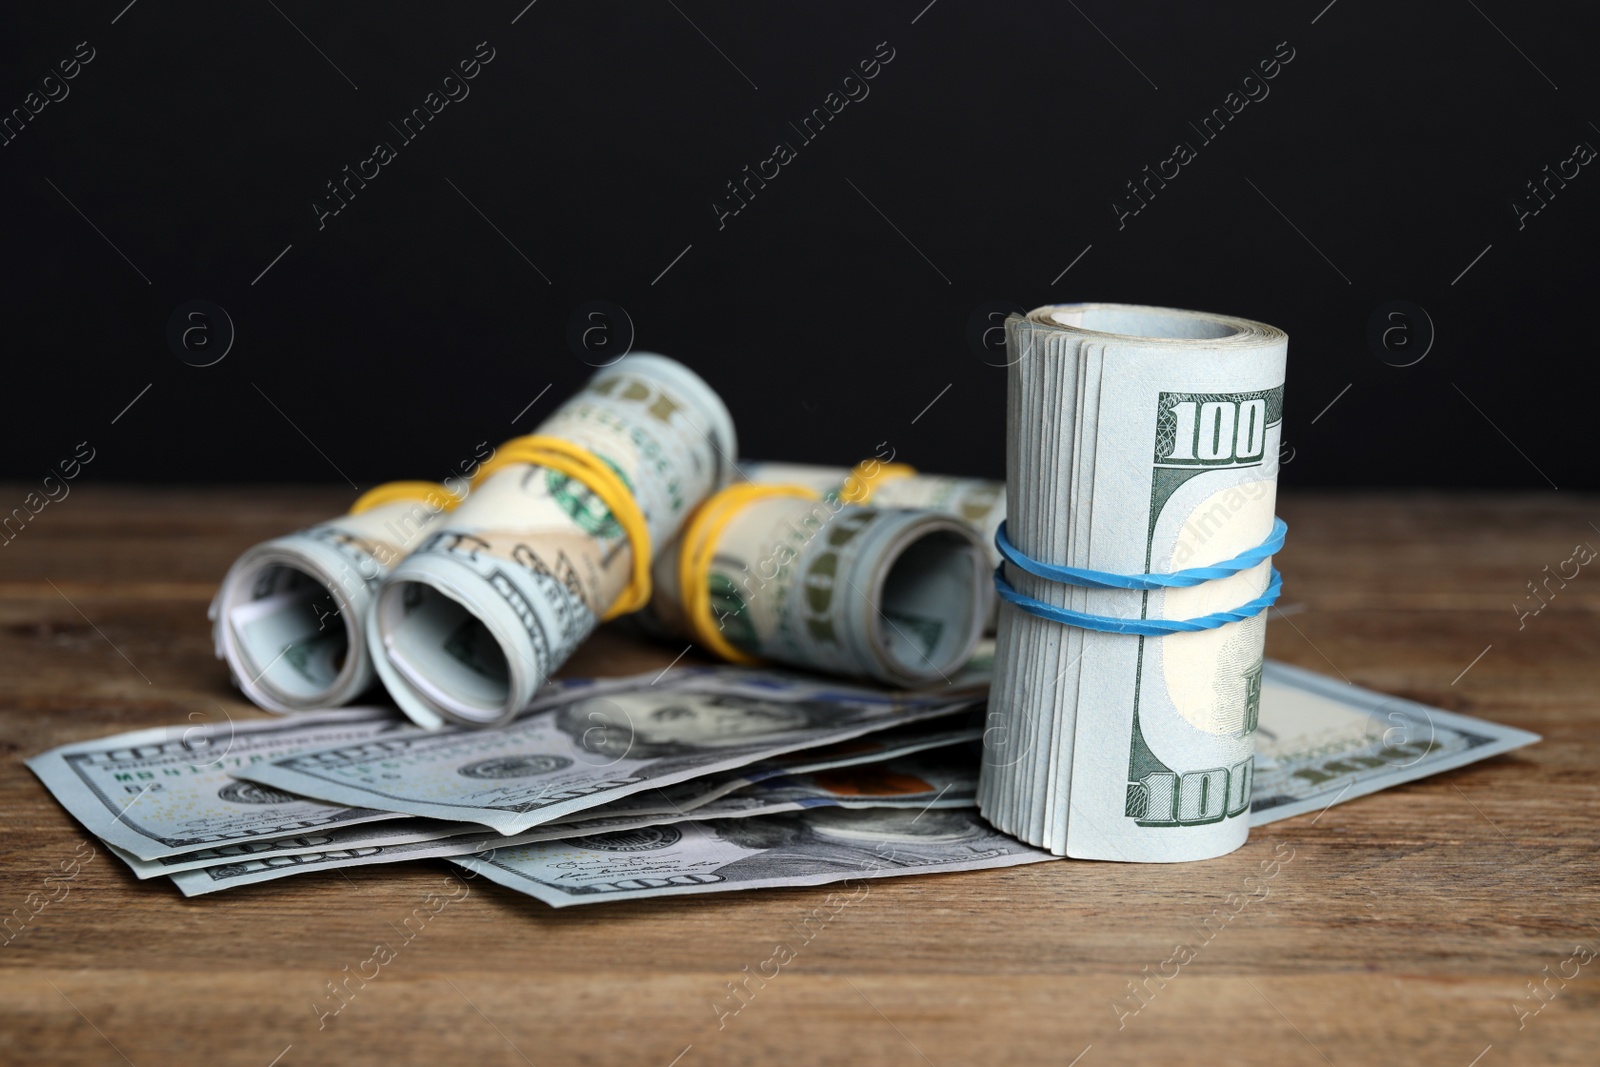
[800,849]
[1322,742]
[406,839]
[931,779]
[168,790]
[400,830]
[928,779]
[588,750]
[155,794]
[255,869]
[687,799]
[832,774]
[256,816]
[395,831]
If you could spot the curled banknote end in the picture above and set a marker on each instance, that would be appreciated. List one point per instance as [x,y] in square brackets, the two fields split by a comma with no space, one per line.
[290,617]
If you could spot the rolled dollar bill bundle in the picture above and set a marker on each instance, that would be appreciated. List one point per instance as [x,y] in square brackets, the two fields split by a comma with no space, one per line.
[290,616]
[976,502]
[558,534]
[1141,475]
[780,573]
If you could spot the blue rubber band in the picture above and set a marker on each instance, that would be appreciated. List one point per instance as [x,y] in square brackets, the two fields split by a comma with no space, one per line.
[1193,576]
[1143,627]
[1176,580]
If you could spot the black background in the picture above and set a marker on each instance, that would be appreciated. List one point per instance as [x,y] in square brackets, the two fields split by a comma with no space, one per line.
[835,307]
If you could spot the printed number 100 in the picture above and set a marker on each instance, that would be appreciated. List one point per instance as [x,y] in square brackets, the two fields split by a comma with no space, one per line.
[1219,430]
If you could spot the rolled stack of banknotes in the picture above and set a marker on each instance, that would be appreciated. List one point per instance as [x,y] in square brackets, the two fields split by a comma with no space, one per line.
[557,534]
[1142,471]
[1129,583]
[463,598]
[785,574]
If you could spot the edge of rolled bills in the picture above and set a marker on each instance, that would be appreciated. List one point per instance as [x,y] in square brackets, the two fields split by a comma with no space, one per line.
[290,616]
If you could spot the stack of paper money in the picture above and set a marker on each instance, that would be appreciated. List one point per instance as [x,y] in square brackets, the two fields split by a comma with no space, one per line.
[1129,686]
[686,781]
[1142,441]
[464,604]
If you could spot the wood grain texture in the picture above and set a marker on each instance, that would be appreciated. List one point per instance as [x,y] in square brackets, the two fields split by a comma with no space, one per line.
[1406,927]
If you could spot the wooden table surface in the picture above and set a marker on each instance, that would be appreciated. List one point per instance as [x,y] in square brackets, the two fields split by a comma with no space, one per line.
[1410,927]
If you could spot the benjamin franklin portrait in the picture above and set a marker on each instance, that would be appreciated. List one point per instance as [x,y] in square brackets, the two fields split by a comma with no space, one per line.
[651,725]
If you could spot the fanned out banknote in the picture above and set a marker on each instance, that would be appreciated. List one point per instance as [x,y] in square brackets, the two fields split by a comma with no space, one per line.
[929,778]
[163,799]
[898,766]
[1139,440]
[681,801]
[169,790]
[362,839]
[804,848]
[342,839]
[938,778]
[1322,742]
[588,750]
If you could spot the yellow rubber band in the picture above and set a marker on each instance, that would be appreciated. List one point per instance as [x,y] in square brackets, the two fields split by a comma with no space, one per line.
[859,486]
[700,536]
[397,492]
[588,470]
